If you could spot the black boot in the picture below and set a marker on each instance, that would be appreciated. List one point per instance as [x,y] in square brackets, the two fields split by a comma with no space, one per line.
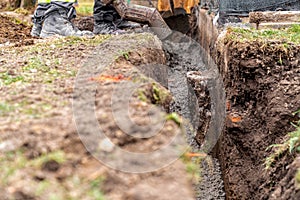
[108,21]
[38,19]
[58,22]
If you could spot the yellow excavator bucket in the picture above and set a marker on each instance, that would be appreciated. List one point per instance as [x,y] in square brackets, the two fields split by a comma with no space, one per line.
[164,6]
[187,5]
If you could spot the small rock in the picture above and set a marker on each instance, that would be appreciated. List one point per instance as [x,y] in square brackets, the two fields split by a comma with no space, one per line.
[106,145]
[6,146]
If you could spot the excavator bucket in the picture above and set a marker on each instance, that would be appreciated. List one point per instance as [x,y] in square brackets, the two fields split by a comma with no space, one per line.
[164,6]
[175,13]
[189,4]
[175,7]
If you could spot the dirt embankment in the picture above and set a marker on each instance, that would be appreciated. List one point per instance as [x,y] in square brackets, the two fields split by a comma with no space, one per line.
[262,81]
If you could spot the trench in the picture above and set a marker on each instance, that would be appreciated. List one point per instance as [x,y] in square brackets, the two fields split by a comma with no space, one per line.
[189,61]
[197,88]
[192,78]
[191,88]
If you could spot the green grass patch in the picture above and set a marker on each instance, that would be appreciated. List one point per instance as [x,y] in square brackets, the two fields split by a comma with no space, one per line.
[287,35]
[7,79]
[85,7]
[95,189]
[22,11]
[9,164]
[58,156]
[297,177]
[6,108]
[25,108]
[192,167]
[174,117]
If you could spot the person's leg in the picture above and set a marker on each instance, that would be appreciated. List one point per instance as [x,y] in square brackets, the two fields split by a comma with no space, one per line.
[38,17]
[108,21]
[58,20]
[104,15]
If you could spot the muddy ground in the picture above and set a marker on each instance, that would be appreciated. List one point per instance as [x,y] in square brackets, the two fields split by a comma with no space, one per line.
[41,154]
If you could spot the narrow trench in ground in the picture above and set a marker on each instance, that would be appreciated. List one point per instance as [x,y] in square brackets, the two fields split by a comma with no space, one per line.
[195,88]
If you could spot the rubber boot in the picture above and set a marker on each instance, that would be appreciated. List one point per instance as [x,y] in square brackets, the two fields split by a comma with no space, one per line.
[37,27]
[108,21]
[38,18]
[58,22]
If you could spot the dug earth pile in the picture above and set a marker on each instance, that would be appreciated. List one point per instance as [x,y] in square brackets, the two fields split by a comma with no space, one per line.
[262,81]
[13,31]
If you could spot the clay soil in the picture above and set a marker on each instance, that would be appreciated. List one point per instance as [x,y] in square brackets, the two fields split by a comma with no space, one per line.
[262,80]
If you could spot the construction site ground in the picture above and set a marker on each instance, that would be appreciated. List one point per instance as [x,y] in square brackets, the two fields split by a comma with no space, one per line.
[42,156]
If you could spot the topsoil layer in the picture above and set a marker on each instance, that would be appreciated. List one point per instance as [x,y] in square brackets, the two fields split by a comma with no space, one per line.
[262,81]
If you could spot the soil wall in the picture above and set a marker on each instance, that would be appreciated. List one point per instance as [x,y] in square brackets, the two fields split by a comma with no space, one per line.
[262,81]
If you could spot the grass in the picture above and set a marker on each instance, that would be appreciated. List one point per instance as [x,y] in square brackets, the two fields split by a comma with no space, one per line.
[125,54]
[192,167]
[94,190]
[297,177]
[291,145]
[58,156]
[160,95]
[85,7]
[14,165]
[6,108]
[7,79]
[174,117]
[287,35]
[25,108]
[39,68]
[12,162]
